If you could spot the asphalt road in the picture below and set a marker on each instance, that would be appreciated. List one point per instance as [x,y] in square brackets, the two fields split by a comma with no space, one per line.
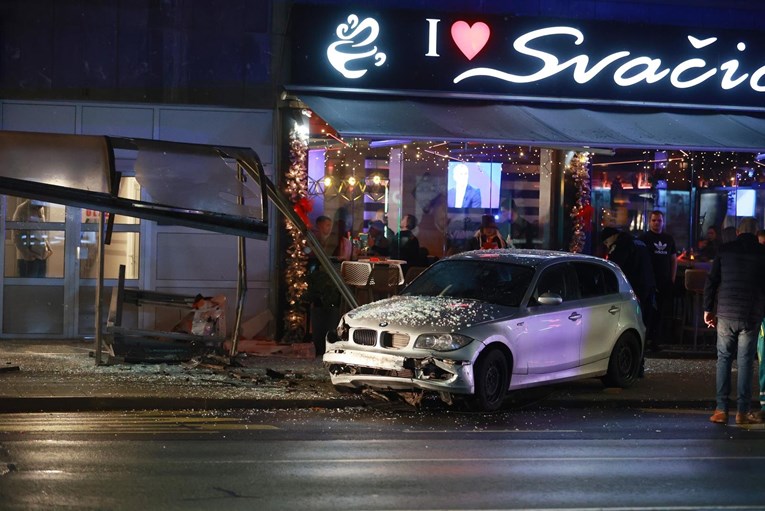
[384,458]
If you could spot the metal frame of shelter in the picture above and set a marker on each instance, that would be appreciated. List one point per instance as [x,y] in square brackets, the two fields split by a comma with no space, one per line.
[212,187]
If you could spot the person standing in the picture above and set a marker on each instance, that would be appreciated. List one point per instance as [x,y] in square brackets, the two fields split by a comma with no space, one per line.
[377,242]
[488,236]
[633,258]
[661,245]
[32,247]
[737,281]
[761,350]
[406,246]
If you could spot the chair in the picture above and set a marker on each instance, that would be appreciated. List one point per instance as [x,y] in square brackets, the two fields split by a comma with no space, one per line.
[357,275]
[385,280]
[694,284]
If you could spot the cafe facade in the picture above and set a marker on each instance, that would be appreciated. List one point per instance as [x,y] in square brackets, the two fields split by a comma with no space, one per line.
[568,118]
[566,125]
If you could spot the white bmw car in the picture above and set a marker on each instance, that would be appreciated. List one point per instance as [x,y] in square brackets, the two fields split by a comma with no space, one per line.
[480,324]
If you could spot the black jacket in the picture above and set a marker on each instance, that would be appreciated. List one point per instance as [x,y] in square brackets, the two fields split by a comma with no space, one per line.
[737,280]
[634,259]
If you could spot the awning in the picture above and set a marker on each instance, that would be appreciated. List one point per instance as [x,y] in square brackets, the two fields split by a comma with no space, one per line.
[543,126]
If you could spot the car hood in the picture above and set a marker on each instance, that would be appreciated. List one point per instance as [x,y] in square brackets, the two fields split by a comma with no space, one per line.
[434,312]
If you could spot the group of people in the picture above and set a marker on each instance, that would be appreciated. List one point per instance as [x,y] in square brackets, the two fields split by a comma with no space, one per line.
[404,245]
[734,300]
[650,264]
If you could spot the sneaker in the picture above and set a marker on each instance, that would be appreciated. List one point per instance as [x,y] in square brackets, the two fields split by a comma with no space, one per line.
[719,417]
[747,418]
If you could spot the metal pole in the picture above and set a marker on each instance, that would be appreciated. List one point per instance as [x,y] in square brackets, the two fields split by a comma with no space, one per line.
[285,208]
[99,288]
[241,283]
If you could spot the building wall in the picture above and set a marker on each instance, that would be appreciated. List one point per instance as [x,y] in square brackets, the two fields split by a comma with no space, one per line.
[174,259]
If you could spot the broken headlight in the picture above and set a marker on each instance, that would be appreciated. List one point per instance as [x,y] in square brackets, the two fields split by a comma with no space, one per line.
[340,334]
[442,342]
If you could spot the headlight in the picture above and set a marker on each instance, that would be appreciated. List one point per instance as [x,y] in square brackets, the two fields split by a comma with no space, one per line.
[340,334]
[442,342]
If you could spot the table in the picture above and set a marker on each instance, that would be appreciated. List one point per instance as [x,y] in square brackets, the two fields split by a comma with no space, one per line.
[386,284]
[376,260]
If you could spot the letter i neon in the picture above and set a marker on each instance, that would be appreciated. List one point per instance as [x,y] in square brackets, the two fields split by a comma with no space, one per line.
[432,39]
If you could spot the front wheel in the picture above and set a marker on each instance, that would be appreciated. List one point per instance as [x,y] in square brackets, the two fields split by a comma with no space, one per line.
[492,378]
[624,364]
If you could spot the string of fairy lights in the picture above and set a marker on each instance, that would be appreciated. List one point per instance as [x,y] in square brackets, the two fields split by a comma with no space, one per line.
[345,164]
[348,177]
[296,267]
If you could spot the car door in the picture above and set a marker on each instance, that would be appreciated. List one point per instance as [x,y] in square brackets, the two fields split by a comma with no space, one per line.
[600,308]
[552,335]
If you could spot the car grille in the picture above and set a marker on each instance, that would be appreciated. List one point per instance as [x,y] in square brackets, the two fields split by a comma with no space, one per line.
[365,337]
[394,340]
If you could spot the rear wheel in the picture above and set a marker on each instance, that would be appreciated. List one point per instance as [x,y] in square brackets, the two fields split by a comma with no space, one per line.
[492,378]
[624,364]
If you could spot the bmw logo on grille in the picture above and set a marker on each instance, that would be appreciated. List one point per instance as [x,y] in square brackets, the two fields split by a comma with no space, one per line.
[384,324]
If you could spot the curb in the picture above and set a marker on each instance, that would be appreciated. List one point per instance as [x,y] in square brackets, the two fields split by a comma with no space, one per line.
[103,404]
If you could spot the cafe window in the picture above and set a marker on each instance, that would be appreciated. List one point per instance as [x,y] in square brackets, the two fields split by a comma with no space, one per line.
[124,248]
[447,186]
[696,190]
[34,239]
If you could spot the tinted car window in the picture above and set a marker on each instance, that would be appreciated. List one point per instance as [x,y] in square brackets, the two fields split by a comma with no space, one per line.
[595,280]
[591,279]
[553,280]
[488,281]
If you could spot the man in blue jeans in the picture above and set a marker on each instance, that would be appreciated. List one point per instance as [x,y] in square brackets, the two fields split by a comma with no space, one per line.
[737,282]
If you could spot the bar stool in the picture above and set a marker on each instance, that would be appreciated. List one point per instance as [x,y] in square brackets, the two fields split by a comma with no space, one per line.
[357,275]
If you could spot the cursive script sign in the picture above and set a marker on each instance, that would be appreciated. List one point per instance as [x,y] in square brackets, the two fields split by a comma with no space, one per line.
[580,61]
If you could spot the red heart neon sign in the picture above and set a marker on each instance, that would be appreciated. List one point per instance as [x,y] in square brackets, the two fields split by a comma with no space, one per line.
[470,39]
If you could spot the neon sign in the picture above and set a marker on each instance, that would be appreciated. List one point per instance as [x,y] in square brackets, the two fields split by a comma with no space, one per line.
[526,57]
[355,35]
[638,69]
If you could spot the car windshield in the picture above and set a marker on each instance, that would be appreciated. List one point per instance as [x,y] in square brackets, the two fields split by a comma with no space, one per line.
[488,281]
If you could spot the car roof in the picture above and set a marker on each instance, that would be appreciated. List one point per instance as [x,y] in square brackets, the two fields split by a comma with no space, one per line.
[528,257]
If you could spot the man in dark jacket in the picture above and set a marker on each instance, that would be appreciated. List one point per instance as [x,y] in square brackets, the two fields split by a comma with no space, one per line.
[634,259]
[737,281]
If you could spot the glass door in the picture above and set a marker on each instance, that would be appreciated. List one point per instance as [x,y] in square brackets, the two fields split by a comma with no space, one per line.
[50,266]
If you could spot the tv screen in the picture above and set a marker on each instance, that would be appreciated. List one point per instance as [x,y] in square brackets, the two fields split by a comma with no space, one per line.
[745,202]
[473,184]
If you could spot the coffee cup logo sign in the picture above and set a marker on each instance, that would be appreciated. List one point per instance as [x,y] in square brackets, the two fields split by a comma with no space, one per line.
[355,51]
[355,44]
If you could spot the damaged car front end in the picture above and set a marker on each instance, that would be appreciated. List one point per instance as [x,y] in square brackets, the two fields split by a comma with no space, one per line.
[381,358]
[480,324]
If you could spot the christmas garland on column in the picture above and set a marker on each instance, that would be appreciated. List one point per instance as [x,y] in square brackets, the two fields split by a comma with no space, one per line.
[581,212]
[296,269]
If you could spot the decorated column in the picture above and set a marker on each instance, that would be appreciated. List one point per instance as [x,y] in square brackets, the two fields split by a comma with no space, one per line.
[296,267]
[581,212]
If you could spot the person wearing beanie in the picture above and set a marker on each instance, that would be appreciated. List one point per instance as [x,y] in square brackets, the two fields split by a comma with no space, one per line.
[488,236]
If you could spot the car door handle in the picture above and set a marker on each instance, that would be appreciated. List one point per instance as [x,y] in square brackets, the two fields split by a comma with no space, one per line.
[575,316]
[614,309]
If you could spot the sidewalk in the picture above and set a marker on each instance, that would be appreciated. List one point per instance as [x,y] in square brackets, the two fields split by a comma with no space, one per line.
[62,376]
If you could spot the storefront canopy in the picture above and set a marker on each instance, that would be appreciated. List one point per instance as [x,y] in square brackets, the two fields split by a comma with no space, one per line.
[543,126]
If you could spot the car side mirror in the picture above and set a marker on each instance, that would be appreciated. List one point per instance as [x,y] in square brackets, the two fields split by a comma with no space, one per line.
[550,299]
